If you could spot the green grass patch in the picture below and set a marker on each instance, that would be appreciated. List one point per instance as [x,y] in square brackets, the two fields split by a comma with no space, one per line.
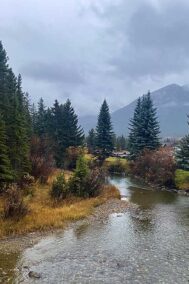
[117,165]
[182,179]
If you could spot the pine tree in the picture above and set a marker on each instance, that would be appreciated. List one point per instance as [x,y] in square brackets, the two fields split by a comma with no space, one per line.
[5,166]
[104,137]
[182,153]
[144,127]
[91,141]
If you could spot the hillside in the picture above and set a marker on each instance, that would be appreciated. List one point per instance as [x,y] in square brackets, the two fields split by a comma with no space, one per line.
[172,104]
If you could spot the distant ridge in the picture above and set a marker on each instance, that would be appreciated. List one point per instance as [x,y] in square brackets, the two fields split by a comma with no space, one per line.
[172,103]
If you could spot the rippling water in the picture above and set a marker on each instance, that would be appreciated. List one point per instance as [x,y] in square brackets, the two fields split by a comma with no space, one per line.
[150,245]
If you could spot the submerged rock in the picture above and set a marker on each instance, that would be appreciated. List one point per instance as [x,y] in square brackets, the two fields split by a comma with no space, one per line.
[33,274]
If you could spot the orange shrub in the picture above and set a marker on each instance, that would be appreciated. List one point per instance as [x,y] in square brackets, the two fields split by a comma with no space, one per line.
[157,166]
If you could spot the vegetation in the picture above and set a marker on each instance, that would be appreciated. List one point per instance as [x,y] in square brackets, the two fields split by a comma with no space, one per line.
[182,154]
[59,190]
[44,213]
[15,122]
[104,136]
[86,182]
[156,166]
[182,179]
[144,127]
[5,166]
[14,206]
[91,141]
[117,165]
[121,143]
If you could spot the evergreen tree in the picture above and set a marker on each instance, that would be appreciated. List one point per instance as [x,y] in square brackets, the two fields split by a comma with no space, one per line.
[15,114]
[144,127]
[41,126]
[91,141]
[66,130]
[104,137]
[182,153]
[121,143]
[5,166]
[4,102]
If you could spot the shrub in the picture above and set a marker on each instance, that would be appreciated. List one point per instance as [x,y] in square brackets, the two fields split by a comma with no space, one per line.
[86,182]
[118,166]
[41,157]
[14,206]
[78,181]
[59,188]
[71,157]
[26,181]
[94,182]
[157,166]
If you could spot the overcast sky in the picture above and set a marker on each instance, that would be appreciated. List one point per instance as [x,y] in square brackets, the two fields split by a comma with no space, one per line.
[89,50]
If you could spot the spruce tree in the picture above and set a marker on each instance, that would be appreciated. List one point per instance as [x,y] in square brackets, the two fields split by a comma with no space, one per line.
[4,101]
[66,131]
[144,127]
[5,166]
[182,154]
[41,119]
[135,130]
[104,137]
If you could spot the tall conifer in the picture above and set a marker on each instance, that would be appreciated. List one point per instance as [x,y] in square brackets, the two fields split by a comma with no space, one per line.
[104,136]
[144,127]
[5,166]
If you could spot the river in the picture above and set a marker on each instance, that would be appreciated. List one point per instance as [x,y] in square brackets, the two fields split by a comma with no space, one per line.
[147,245]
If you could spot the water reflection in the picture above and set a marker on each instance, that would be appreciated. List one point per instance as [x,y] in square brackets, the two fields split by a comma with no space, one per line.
[147,198]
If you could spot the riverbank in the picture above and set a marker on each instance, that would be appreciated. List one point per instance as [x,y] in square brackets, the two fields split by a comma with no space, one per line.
[144,244]
[44,214]
[11,247]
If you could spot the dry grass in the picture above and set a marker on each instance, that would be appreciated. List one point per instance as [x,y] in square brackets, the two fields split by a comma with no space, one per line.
[44,214]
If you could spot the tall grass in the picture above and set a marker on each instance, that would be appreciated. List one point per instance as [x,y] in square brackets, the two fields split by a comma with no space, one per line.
[45,214]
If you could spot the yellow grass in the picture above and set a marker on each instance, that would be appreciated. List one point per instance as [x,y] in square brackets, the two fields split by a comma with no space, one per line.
[44,214]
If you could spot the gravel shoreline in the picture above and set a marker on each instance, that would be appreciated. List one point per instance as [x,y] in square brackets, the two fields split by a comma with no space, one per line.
[16,244]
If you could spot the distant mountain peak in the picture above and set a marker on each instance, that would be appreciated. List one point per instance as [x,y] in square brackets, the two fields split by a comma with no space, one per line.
[172,103]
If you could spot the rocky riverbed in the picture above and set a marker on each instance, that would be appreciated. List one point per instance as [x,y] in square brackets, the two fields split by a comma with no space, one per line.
[11,248]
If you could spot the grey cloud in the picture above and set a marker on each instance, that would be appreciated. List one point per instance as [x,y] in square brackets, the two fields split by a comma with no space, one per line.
[53,73]
[155,41]
[91,50]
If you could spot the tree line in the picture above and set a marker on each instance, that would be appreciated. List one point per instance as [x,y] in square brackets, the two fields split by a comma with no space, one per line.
[31,136]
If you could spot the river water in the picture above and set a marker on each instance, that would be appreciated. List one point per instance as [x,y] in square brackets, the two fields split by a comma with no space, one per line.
[147,245]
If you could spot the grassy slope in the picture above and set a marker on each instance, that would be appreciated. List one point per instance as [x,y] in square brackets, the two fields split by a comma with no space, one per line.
[182,179]
[44,214]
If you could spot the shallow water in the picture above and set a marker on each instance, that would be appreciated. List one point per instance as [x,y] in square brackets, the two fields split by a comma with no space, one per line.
[147,245]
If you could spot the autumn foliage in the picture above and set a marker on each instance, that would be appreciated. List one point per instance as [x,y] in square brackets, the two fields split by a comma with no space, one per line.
[157,166]
[41,158]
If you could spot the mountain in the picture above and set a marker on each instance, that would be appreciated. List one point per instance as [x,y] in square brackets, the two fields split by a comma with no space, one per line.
[172,103]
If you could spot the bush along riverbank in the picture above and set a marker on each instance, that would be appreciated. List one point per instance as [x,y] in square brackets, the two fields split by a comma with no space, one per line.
[65,197]
[155,168]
